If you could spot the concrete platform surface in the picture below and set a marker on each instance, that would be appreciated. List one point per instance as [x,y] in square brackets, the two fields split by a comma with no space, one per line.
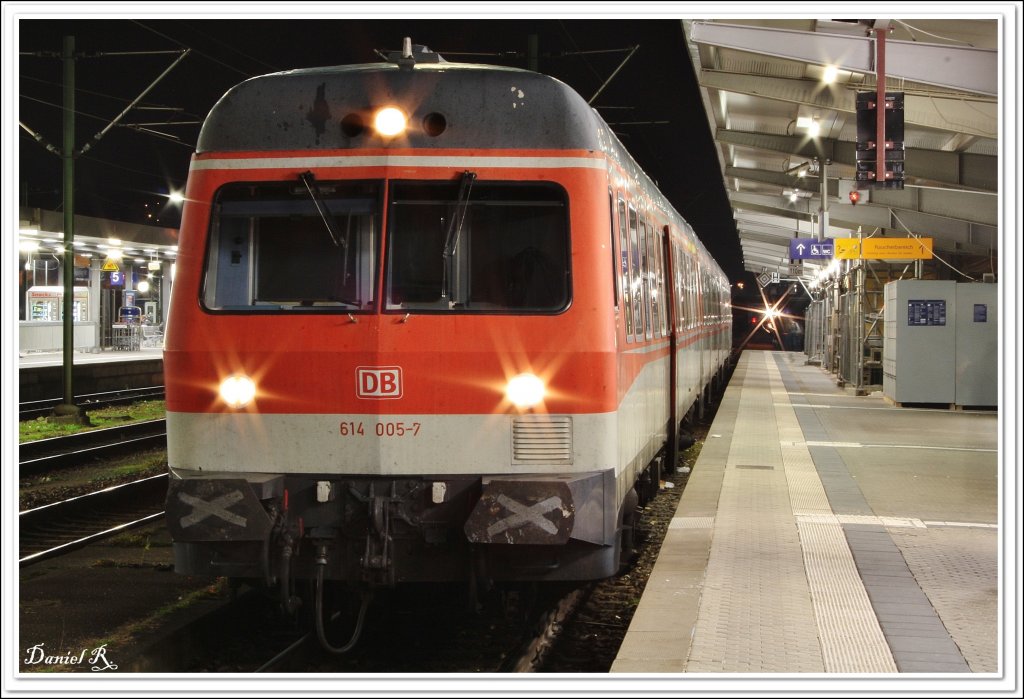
[823,534]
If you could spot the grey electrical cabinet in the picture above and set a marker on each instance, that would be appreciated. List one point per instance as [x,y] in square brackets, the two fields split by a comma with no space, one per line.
[977,344]
[919,354]
[940,343]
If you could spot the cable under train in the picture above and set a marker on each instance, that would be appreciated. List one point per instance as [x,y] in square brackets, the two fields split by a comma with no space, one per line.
[430,322]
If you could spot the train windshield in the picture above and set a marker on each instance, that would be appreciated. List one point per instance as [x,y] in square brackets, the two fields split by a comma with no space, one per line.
[293,246]
[469,246]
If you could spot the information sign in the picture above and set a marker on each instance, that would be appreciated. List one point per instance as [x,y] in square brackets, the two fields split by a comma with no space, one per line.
[883,248]
[810,249]
[928,312]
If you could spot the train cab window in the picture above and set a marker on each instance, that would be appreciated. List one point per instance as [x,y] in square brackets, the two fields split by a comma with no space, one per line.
[275,248]
[489,247]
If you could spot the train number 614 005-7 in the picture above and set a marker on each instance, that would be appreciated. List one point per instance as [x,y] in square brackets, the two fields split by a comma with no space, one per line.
[349,428]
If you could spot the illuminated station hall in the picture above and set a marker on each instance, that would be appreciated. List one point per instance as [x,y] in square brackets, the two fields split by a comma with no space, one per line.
[122,283]
[433,361]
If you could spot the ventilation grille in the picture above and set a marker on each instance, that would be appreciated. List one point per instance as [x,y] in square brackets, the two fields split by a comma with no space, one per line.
[542,439]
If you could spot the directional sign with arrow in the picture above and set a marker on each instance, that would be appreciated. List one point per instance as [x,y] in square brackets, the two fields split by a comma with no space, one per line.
[810,249]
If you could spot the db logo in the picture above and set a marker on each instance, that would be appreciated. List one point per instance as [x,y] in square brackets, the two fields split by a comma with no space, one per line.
[379,382]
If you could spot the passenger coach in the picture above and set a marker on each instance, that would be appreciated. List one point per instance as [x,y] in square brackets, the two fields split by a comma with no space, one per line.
[430,322]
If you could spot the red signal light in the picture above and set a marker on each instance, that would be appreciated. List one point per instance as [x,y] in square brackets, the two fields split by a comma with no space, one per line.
[854,197]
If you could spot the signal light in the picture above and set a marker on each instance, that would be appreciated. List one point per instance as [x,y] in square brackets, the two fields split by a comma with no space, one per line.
[854,196]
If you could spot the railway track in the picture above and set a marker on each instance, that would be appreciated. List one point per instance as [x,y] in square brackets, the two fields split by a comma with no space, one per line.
[44,455]
[55,529]
[41,408]
[420,628]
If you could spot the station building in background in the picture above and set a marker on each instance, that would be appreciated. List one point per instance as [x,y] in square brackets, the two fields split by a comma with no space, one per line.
[123,274]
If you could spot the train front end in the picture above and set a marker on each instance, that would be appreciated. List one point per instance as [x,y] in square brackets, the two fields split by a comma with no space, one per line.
[391,354]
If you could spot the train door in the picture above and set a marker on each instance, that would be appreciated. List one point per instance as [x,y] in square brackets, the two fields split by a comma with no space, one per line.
[669,305]
[698,297]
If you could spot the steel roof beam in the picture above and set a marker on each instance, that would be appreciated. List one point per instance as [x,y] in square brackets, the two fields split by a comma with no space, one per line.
[957,67]
[949,234]
[945,112]
[765,249]
[753,235]
[774,205]
[775,226]
[957,169]
[779,258]
[963,205]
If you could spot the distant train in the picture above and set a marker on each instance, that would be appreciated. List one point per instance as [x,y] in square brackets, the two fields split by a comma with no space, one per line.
[430,322]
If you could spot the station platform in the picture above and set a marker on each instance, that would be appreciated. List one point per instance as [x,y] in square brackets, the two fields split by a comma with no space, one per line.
[41,374]
[822,532]
[30,360]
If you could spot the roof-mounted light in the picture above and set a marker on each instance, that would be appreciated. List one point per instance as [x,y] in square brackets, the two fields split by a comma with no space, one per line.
[389,121]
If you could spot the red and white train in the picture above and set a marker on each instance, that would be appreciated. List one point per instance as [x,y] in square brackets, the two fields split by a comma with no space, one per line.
[430,322]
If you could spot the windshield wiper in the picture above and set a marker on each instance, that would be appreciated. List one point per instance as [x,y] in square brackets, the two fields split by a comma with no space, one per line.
[309,180]
[451,239]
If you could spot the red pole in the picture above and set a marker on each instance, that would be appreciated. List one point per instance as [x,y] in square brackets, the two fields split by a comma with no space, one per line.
[880,105]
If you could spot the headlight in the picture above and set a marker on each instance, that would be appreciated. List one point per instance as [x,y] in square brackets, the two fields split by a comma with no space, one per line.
[525,390]
[238,391]
[389,121]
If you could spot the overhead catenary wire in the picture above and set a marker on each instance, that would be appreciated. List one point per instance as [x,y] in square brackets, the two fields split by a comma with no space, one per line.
[917,237]
[911,29]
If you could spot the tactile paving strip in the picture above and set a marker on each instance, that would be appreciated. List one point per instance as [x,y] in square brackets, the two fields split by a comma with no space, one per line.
[915,634]
[755,612]
[731,593]
[851,638]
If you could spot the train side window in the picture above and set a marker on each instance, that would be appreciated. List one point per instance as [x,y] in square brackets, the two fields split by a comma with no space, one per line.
[710,305]
[636,280]
[705,302]
[652,280]
[624,269]
[677,285]
[691,296]
[645,263]
[663,316]
[270,249]
[611,246]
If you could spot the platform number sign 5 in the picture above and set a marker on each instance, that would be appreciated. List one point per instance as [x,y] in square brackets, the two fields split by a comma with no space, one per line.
[379,382]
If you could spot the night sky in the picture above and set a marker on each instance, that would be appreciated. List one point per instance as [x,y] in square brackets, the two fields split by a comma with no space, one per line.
[127,174]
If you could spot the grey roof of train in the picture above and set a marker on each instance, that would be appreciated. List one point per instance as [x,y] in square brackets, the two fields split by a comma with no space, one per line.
[492,107]
[485,106]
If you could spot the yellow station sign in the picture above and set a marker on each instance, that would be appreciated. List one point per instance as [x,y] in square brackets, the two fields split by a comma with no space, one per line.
[109,266]
[883,248]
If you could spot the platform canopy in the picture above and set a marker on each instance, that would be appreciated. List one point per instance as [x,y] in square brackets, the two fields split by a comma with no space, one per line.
[766,83]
